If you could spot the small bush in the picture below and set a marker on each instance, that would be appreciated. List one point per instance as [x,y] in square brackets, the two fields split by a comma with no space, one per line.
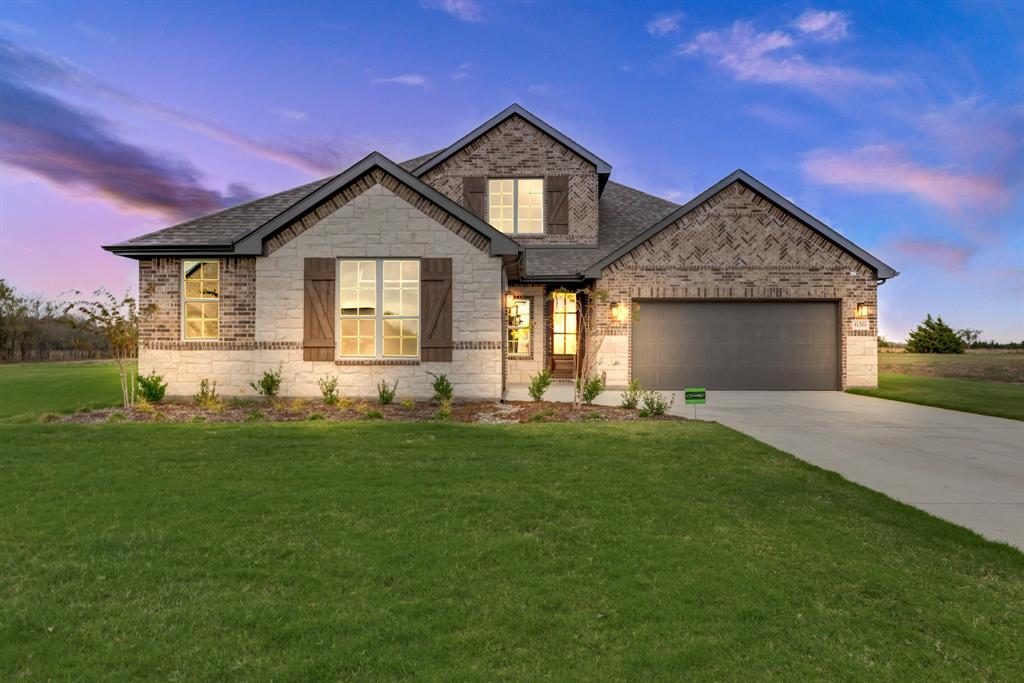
[542,416]
[443,389]
[386,393]
[444,413]
[329,389]
[151,387]
[361,408]
[198,418]
[207,396]
[373,415]
[592,416]
[315,417]
[655,404]
[115,417]
[297,404]
[592,388]
[631,396]
[268,384]
[145,407]
[539,384]
[934,336]
[344,403]
[408,404]
[255,416]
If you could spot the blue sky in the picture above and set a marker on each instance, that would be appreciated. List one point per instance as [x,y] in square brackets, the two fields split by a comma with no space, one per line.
[899,124]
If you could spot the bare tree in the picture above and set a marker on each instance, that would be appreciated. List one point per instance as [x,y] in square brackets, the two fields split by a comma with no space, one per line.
[117,320]
[970,336]
[592,325]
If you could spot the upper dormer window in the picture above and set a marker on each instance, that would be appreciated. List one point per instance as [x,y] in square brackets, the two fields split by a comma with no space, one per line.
[516,205]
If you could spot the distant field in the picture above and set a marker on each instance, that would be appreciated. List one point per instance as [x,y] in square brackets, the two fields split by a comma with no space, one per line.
[989,367]
[28,390]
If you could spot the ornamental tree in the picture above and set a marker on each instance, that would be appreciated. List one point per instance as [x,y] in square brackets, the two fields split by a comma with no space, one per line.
[934,336]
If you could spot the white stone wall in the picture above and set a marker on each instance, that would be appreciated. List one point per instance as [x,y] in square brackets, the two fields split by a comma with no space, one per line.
[375,224]
[861,361]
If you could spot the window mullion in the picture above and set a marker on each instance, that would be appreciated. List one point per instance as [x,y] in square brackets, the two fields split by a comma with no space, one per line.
[378,324]
[515,206]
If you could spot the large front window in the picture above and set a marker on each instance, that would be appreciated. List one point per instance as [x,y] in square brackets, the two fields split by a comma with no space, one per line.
[379,308]
[516,205]
[202,299]
[518,311]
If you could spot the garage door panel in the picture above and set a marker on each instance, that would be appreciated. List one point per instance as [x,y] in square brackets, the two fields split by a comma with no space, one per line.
[736,345]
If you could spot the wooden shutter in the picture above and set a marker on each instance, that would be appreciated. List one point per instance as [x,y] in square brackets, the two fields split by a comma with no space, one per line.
[557,204]
[436,310]
[473,190]
[318,309]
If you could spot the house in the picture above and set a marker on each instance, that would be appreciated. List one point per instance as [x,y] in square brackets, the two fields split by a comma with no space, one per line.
[464,262]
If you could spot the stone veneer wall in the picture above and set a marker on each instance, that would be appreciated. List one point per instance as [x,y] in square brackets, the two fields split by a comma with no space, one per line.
[376,223]
[520,369]
[516,149]
[738,245]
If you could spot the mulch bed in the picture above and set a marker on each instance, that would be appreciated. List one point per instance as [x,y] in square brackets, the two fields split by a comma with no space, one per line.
[298,410]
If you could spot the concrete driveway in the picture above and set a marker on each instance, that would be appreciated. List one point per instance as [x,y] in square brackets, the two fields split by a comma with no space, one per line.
[968,469]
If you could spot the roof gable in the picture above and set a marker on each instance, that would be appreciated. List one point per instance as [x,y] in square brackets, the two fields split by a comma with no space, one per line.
[604,169]
[882,270]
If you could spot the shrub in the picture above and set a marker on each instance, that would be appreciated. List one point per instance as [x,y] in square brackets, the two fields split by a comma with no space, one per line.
[297,404]
[542,416]
[151,387]
[444,413]
[144,406]
[655,404]
[631,396]
[443,390]
[361,408]
[115,417]
[329,389]
[373,415]
[386,393]
[268,384]
[198,418]
[934,336]
[255,416]
[315,417]
[344,403]
[592,416]
[539,384]
[592,388]
[408,404]
[207,396]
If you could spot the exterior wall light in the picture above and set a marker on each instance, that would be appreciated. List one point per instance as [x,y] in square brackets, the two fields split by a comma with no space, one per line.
[863,310]
[510,299]
[620,312]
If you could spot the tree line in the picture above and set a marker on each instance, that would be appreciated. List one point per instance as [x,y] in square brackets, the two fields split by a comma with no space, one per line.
[33,328]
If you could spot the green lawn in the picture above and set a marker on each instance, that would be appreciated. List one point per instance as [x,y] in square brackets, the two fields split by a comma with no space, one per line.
[30,389]
[324,551]
[971,396]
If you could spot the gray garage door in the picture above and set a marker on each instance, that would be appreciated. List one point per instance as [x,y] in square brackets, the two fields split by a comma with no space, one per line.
[736,345]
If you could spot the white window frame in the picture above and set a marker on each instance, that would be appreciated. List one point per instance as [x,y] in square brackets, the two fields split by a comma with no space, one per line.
[184,300]
[527,301]
[515,206]
[378,316]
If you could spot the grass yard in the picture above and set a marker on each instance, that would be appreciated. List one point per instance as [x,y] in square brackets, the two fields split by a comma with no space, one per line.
[983,383]
[627,551]
[27,390]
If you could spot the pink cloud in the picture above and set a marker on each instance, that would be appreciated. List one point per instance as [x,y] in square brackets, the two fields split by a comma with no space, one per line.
[884,169]
[828,27]
[935,253]
[771,57]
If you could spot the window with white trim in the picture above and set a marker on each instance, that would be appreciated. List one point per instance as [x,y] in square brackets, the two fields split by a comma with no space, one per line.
[379,308]
[518,313]
[201,299]
[516,205]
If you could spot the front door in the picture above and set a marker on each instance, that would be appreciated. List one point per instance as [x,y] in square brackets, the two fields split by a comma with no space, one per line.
[564,333]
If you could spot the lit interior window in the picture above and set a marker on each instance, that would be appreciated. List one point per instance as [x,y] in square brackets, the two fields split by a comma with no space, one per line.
[516,205]
[379,300]
[518,310]
[202,299]
[563,323]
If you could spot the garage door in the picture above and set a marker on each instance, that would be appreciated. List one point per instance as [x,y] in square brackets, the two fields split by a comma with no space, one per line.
[736,345]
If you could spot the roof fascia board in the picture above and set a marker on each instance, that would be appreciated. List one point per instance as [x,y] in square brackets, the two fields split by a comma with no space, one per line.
[603,167]
[252,244]
[882,270]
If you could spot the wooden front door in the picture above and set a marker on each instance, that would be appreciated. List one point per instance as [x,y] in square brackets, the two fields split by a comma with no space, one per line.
[564,333]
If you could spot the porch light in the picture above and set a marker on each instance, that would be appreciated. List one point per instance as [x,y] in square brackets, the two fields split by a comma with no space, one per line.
[510,299]
[620,311]
[863,310]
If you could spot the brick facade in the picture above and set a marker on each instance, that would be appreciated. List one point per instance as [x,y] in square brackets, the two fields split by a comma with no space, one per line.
[736,246]
[516,149]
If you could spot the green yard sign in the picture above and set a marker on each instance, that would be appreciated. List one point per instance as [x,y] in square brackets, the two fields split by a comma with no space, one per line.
[695,396]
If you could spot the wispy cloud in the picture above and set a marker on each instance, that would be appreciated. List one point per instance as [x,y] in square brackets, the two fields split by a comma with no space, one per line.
[461,72]
[35,67]
[16,28]
[828,27]
[774,57]
[290,114]
[463,10]
[72,149]
[885,169]
[665,23]
[936,253]
[411,80]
